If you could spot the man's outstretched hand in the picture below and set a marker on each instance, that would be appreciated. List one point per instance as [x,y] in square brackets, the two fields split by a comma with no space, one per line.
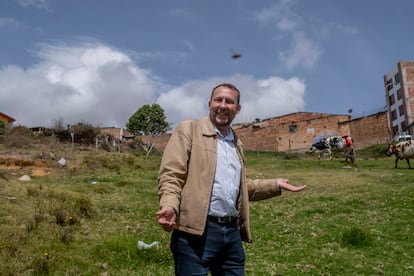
[284,184]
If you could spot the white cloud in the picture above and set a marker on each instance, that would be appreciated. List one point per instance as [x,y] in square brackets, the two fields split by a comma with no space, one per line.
[264,98]
[94,83]
[304,52]
[90,82]
[280,14]
[40,4]
[8,21]
[188,44]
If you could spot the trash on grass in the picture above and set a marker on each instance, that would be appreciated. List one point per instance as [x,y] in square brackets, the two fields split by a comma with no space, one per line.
[143,245]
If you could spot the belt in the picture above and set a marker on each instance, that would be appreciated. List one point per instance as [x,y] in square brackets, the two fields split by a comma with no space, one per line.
[222,220]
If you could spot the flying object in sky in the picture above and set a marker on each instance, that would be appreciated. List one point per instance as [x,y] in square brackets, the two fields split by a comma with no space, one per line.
[235,55]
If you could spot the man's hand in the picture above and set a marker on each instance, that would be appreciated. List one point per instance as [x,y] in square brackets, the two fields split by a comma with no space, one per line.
[166,218]
[284,184]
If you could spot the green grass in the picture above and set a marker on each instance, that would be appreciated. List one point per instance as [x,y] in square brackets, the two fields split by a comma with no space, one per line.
[354,219]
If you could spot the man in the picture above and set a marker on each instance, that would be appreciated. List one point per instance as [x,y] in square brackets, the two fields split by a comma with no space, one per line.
[204,193]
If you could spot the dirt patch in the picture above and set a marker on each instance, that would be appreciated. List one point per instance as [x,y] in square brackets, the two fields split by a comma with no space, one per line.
[13,164]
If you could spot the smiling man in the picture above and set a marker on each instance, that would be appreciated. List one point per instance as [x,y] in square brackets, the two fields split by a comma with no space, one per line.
[204,193]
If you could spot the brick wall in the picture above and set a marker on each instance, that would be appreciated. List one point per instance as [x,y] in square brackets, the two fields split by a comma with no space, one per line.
[297,131]
[292,132]
[159,141]
[369,130]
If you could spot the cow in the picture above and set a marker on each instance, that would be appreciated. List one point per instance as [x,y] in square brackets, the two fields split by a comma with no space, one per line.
[402,150]
[328,145]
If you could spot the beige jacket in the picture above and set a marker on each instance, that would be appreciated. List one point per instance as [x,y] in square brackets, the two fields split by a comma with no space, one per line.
[186,177]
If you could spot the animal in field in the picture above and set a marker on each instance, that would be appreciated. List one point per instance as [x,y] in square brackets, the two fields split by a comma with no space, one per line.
[402,150]
[332,144]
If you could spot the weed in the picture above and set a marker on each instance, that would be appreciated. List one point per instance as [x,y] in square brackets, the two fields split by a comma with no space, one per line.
[357,237]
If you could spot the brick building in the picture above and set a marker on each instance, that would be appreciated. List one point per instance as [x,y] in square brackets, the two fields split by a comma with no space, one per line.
[370,130]
[297,131]
[120,134]
[291,132]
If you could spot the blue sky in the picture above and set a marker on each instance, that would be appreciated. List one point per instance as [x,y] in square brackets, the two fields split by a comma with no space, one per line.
[99,61]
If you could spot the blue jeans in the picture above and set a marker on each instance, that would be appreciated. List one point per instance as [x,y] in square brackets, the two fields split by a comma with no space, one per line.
[219,251]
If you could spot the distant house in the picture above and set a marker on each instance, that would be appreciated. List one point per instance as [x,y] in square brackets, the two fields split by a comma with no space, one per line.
[120,134]
[6,120]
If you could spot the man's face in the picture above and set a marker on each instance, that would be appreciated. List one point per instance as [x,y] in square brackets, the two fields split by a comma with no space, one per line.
[223,107]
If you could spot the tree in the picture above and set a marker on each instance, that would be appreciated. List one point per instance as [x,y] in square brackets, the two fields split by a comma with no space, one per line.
[149,119]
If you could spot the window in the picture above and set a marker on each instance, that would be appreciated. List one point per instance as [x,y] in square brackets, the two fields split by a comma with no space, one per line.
[394,115]
[389,85]
[401,110]
[293,128]
[391,99]
[399,96]
[397,78]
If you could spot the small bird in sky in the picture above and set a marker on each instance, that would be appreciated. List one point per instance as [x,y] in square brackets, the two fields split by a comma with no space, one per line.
[235,55]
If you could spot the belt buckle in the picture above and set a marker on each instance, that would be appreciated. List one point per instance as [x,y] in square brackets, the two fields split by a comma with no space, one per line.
[222,219]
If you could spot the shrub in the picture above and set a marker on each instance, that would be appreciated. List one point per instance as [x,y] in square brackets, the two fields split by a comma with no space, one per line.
[357,237]
[19,137]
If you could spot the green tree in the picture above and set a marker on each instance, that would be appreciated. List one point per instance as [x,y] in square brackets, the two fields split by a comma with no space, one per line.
[149,119]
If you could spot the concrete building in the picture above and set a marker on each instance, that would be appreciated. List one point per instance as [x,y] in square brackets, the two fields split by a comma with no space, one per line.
[399,94]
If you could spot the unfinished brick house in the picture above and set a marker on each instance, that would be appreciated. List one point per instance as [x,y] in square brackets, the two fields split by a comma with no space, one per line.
[291,132]
[297,131]
[119,134]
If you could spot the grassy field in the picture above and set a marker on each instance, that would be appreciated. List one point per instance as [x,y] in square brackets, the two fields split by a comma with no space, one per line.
[86,218]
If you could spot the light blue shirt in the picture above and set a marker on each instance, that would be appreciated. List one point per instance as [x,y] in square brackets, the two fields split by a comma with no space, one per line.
[226,179]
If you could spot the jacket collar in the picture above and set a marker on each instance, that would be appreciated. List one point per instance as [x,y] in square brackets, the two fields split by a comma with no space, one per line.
[208,129]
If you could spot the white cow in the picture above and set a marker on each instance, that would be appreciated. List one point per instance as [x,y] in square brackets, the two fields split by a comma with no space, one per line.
[402,150]
[334,144]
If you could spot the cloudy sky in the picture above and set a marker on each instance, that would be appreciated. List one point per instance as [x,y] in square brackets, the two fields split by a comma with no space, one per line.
[99,61]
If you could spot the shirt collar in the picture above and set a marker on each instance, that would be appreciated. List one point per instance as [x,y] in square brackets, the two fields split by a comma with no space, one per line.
[228,137]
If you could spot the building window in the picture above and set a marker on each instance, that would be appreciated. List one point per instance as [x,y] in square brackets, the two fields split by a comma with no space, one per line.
[389,85]
[397,78]
[293,128]
[394,115]
[403,125]
[401,110]
[399,96]
[395,129]
[391,99]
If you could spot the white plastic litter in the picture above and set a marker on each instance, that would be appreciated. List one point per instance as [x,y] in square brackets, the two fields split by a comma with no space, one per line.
[62,162]
[143,245]
[24,178]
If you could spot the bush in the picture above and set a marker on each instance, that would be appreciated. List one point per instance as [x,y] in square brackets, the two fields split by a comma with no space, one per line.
[356,237]
[83,133]
[19,137]
[374,151]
